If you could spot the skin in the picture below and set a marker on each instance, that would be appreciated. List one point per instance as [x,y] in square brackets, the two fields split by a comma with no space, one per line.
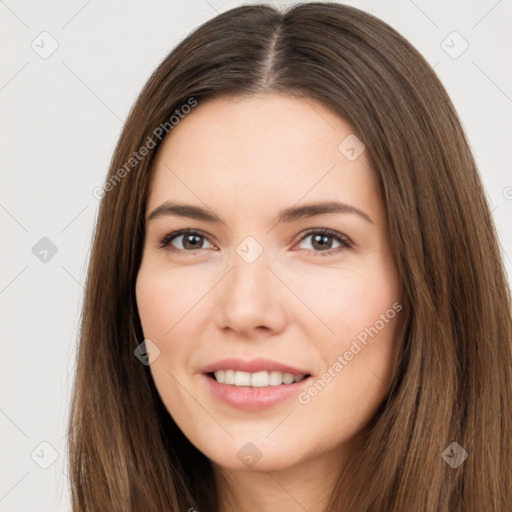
[245,159]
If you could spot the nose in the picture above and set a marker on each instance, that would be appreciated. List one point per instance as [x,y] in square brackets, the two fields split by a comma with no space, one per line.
[251,299]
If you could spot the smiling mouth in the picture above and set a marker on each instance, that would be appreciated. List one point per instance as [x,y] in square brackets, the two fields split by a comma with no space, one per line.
[260,379]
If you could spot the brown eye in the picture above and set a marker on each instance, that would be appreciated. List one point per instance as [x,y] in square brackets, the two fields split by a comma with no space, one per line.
[322,241]
[187,240]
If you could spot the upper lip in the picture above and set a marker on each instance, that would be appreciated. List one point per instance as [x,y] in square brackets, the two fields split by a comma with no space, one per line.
[252,366]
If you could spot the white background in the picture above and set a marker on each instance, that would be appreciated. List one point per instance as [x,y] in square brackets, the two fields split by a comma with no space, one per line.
[61,117]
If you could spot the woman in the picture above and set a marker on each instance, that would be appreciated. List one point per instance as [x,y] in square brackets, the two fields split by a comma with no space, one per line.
[223,365]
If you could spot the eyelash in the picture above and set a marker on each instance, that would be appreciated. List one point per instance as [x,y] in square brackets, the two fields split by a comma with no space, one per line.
[345,242]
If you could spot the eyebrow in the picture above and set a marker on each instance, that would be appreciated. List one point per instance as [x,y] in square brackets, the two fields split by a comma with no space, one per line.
[287,215]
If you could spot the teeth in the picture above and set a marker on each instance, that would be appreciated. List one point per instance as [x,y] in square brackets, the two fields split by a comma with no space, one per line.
[275,378]
[261,379]
[229,377]
[288,378]
[242,379]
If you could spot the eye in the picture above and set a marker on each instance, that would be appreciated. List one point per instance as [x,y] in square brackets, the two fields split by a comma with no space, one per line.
[321,246]
[322,239]
[190,240]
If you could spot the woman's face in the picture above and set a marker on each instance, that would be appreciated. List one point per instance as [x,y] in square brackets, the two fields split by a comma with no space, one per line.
[259,292]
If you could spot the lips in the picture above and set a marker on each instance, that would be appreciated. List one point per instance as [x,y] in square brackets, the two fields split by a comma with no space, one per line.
[253,366]
[254,384]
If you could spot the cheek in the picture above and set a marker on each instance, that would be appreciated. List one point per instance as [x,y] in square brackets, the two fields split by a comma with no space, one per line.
[162,312]
[172,312]
[162,305]
[162,302]
[359,313]
[348,302]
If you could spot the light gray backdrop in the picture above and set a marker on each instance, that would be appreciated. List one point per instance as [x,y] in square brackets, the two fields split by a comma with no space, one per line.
[70,72]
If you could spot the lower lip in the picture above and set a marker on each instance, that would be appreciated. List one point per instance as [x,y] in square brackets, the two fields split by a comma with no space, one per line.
[254,399]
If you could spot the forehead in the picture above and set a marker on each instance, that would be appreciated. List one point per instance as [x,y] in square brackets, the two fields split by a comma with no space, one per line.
[260,151]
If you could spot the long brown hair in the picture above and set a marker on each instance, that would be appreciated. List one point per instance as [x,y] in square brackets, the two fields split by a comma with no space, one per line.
[453,377]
